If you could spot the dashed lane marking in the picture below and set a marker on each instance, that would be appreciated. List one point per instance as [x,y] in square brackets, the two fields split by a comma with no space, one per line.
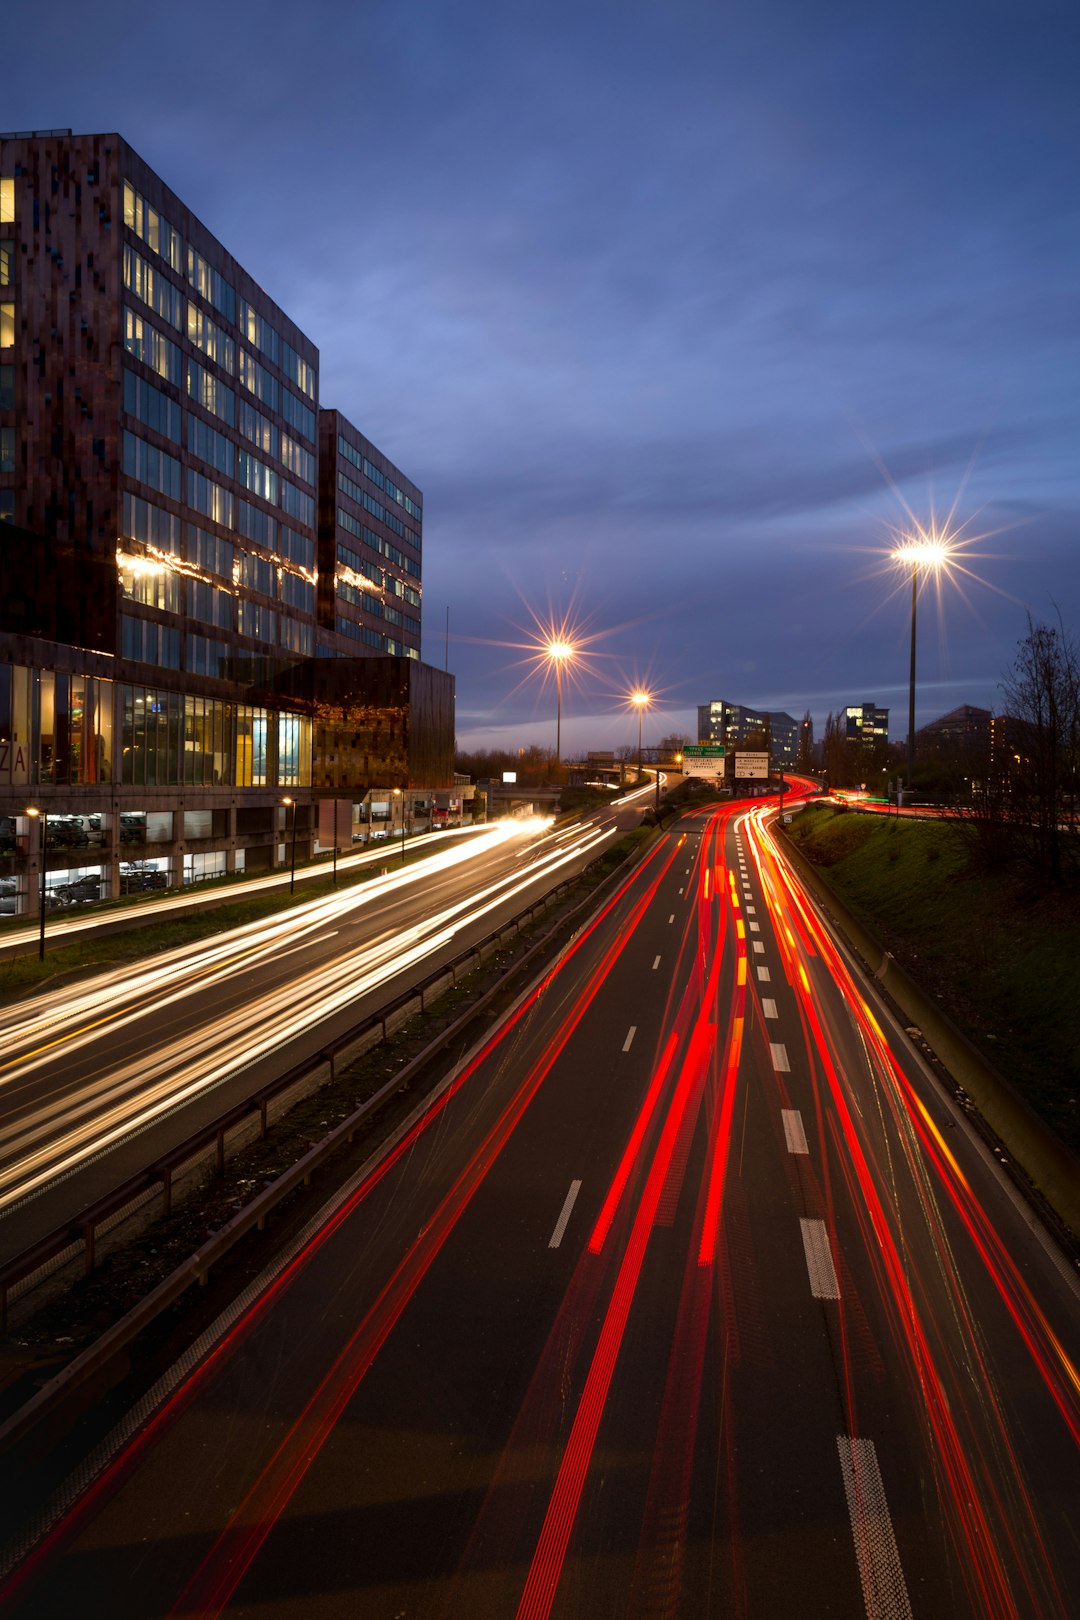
[819,1260]
[880,1571]
[794,1134]
[560,1225]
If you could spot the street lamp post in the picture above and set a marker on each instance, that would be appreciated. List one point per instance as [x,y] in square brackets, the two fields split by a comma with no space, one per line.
[558,653]
[398,794]
[932,550]
[32,810]
[641,700]
[292,873]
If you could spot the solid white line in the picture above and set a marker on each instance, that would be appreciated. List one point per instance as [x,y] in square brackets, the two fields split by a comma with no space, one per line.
[626,1045]
[819,1260]
[768,1007]
[656,964]
[764,975]
[794,1134]
[560,1225]
[884,1589]
[778,1053]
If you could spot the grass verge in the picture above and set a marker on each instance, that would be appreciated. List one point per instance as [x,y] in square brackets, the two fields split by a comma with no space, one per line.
[999,950]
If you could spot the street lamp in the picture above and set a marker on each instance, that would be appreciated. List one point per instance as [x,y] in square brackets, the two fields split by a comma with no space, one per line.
[558,653]
[641,701]
[32,810]
[292,874]
[399,795]
[932,551]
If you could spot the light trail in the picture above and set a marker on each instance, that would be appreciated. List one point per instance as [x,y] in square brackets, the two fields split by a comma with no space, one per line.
[53,1135]
[985,1499]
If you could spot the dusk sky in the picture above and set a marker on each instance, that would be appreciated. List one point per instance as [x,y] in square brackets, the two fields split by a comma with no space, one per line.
[674,311]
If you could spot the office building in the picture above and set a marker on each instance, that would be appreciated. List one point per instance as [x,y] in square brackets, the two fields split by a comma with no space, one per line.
[736,727]
[866,723]
[212,587]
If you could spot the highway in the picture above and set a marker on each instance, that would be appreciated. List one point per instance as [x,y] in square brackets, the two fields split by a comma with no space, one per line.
[689,1294]
[100,1077]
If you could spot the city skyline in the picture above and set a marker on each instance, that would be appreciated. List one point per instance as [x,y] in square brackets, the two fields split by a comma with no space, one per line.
[669,325]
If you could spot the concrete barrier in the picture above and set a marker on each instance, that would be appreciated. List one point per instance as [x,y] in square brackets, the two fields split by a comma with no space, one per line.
[1048,1163]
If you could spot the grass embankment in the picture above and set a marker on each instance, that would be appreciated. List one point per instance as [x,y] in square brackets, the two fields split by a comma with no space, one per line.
[999,950]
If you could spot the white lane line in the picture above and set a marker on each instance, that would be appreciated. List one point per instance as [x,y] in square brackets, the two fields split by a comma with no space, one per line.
[671,919]
[794,1134]
[819,1260]
[768,1007]
[778,1053]
[560,1225]
[656,964]
[764,975]
[884,1589]
[755,928]
[751,911]
[680,891]
[759,947]
[629,1041]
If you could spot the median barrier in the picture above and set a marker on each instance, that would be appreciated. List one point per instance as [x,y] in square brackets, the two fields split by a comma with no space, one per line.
[1046,1161]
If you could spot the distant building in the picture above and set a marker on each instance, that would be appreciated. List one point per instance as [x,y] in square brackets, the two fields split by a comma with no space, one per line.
[866,723]
[212,588]
[736,726]
[965,727]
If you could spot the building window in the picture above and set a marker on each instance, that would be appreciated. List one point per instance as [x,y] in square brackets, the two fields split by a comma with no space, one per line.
[7,506]
[7,326]
[151,466]
[150,583]
[7,450]
[7,201]
[7,262]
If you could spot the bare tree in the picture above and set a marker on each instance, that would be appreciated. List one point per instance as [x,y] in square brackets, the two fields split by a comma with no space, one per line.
[838,758]
[1041,738]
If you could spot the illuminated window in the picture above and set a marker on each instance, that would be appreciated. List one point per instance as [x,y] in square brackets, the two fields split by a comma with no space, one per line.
[7,262]
[7,326]
[7,201]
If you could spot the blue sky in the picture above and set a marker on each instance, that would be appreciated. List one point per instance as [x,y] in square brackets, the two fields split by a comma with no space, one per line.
[673,310]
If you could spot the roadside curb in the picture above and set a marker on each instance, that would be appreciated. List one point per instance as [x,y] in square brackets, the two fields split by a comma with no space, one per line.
[1052,1168]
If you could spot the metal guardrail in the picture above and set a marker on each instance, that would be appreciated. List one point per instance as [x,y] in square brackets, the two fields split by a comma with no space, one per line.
[81,1231]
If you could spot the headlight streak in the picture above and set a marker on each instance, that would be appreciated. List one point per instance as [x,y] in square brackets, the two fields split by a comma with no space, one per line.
[982,1523]
[155,1085]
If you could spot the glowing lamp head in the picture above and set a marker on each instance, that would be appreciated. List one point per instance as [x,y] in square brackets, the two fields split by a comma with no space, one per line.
[641,699]
[926,550]
[559,651]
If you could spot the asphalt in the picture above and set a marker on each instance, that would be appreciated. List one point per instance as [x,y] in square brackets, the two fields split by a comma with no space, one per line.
[597,1337]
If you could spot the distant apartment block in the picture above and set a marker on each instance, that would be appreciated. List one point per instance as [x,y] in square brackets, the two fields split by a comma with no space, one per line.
[213,587]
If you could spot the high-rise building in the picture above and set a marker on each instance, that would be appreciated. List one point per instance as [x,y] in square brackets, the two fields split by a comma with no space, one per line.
[212,588]
[735,726]
[866,723]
